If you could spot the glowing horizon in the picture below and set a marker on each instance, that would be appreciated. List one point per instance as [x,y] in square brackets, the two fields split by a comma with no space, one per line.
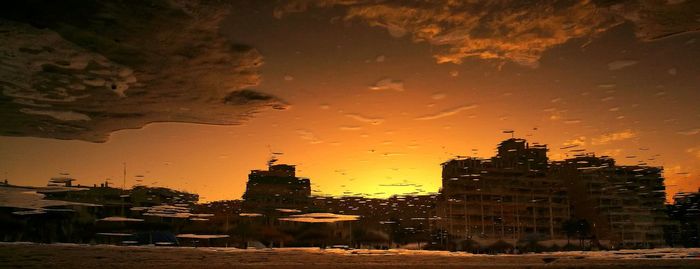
[360,96]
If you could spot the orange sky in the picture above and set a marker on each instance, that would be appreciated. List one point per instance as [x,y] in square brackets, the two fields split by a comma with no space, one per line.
[370,109]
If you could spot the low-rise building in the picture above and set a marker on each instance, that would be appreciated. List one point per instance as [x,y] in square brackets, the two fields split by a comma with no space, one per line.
[685,216]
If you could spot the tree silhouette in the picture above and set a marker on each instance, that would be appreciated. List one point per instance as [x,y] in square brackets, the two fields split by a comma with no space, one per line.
[583,231]
[570,228]
[578,228]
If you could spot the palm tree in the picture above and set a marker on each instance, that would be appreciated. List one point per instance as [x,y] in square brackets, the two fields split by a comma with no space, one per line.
[579,228]
[570,227]
[583,230]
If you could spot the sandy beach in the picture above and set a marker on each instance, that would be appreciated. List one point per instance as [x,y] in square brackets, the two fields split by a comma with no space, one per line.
[29,255]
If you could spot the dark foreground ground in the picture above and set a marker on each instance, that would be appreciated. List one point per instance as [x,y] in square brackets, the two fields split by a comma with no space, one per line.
[27,255]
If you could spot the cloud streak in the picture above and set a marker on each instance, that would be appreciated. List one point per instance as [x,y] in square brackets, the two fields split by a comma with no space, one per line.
[692,131]
[365,119]
[613,137]
[602,139]
[620,64]
[387,84]
[447,113]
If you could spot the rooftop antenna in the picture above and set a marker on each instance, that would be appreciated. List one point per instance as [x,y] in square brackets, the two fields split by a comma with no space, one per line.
[273,158]
[511,132]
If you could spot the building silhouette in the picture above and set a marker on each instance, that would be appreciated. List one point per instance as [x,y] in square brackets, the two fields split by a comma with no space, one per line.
[505,198]
[517,199]
[684,230]
[518,196]
[624,204]
[276,188]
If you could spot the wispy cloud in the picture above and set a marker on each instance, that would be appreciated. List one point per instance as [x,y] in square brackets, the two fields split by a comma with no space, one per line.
[508,30]
[692,131]
[387,84]
[602,139]
[499,30]
[309,136]
[573,143]
[365,119]
[620,64]
[613,137]
[695,151]
[447,113]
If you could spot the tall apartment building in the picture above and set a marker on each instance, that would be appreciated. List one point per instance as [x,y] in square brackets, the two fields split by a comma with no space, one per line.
[519,195]
[508,197]
[276,188]
[624,204]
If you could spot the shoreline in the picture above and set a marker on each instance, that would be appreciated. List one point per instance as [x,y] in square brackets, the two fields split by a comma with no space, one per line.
[33,255]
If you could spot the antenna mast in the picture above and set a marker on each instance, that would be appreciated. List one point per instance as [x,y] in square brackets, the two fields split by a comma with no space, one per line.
[511,132]
[272,160]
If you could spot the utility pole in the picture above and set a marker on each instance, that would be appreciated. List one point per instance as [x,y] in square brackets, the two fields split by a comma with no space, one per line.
[534,212]
[503,228]
[551,218]
[466,218]
[124,177]
[517,217]
[449,204]
[483,220]
[124,191]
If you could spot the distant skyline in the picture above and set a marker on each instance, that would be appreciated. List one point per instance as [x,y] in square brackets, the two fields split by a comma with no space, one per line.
[367,101]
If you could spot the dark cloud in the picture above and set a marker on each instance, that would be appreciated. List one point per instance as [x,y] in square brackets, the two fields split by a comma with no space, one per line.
[509,30]
[656,19]
[83,69]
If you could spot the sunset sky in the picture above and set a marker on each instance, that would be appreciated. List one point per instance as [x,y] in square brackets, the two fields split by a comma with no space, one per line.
[365,97]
